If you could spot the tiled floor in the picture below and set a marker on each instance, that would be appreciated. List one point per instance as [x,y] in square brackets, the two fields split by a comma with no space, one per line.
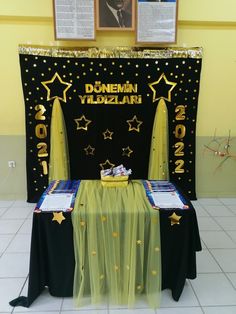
[212,292]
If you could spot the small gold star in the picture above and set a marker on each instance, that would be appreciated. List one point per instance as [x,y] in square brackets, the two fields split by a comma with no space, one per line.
[58,217]
[127,151]
[107,165]
[116,268]
[107,134]
[139,242]
[103,218]
[154,272]
[82,123]
[115,234]
[82,223]
[54,80]
[134,124]
[167,88]
[174,219]
[89,150]
[93,253]
[157,249]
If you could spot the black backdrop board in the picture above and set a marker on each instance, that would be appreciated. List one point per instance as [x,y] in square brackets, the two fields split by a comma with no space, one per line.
[109,99]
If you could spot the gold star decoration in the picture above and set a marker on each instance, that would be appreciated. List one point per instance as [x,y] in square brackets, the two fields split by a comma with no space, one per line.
[127,151]
[134,124]
[56,83]
[58,217]
[107,165]
[115,234]
[139,242]
[174,219]
[107,135]
[82,123]
[89,150]
[154,272]
[162,88]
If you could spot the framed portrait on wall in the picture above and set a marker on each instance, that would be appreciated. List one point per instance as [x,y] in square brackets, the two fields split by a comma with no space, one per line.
[156,21]
[74,19]
[115,15]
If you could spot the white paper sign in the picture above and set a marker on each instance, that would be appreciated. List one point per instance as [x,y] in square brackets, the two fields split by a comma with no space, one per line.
[167,200]
[57,202]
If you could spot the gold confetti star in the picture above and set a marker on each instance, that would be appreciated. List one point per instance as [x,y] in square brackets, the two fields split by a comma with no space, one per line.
[107,135]
[107,165]
[134,124]
[115,234]
[82,123]
[56,81]
[139,242]
[154,272]
[93,253]
[127,151]
[174,219]
[82,223]
[166,88]
[89,150]
[58,217]
[103,218]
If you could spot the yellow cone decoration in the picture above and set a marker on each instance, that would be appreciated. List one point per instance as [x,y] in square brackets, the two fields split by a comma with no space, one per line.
[59,155]
[158,159]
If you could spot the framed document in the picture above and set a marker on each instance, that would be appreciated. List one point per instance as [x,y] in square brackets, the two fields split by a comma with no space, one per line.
[115,15]
[74,19]
[156,21]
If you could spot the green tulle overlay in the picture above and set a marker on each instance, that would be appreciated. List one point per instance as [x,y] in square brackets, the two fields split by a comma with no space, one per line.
[117,245]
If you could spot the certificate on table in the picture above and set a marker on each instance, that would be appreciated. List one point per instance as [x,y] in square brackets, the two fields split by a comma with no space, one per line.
[57,202]
[167,200]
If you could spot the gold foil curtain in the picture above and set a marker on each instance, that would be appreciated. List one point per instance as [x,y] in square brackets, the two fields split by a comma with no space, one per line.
[59,155]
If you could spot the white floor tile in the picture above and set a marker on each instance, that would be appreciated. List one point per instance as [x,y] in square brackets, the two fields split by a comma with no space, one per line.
[227,223]
[14,265]
[232,235]
[6,203]
[20,243]
[10,226]
[68,304]
[2,210]
[26,227]
[220,310]
[17,213]
[232,278]
[209,201]
[9,289]
[217,239]
[5,240]
[206,263]
[182,310]
[218,211]
[228,201]
[21,203]
[214,289]
[226,259]
[131,311]
[208,223]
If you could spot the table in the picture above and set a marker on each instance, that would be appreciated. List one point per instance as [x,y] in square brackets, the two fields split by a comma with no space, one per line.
[52,259]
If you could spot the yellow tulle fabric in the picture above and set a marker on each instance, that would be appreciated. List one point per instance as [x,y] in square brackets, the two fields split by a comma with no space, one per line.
[158,159]
[59,153]
[117,245]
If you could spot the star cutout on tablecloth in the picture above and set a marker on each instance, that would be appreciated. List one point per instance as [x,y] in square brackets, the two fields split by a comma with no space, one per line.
[58,217]
[174,219]
[89,150]
[56,88]
[134,124]
[107,134]
[107,165]
[127,151]
[162,88]
[82,123]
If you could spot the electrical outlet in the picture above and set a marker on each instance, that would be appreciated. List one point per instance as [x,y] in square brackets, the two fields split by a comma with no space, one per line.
[11,163]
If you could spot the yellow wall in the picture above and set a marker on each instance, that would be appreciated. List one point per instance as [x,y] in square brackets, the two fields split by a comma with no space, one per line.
[210,24]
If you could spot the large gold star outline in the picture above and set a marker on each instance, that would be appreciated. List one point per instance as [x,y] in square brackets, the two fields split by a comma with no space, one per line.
[107,165]
[154,86]
[134,124]
[89,150]
[82,123]
[46,83]
[107,134]
[58,217]
[127,151]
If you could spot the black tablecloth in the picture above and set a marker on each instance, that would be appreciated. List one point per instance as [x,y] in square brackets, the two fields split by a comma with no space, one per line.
[52,254]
